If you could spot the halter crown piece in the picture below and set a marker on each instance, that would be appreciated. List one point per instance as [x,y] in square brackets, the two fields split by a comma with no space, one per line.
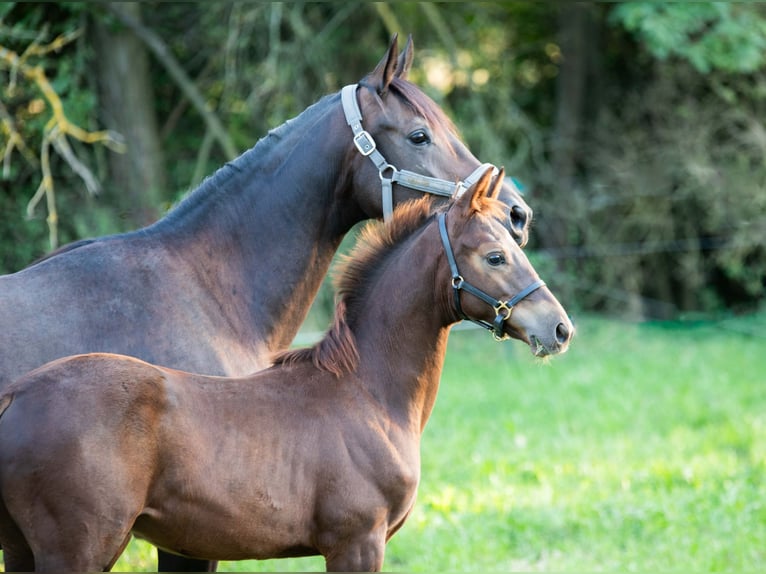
[503,309]
[365,143]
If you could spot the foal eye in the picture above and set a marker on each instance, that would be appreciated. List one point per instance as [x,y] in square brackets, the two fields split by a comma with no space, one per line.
[495,259]
[419,137]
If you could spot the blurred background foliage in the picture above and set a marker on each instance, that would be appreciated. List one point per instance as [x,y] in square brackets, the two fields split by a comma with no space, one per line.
[636,128]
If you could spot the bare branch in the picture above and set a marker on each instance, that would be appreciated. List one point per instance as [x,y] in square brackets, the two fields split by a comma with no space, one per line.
[14,141]
[55,132]
[63,148]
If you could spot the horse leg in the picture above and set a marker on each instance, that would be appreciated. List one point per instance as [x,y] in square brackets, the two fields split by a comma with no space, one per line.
[18,559]
[118,553]
[362,554]
[17,555]
[167,562]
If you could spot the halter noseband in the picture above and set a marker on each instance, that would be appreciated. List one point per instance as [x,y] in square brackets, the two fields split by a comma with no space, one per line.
[503,309]
[366,145]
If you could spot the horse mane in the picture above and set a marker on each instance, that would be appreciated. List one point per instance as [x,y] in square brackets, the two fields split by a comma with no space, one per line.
[336,352]
[216,184]
[63,249]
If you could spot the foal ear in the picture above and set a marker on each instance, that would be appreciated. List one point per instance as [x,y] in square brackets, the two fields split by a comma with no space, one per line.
[498,184]
[404,63]
[381,76]
[472,200]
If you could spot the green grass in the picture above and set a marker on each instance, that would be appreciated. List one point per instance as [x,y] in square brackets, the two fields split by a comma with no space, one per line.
[641,449]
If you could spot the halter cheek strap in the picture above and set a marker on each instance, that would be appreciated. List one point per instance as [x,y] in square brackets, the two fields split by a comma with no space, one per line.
[503,309]
[389,174]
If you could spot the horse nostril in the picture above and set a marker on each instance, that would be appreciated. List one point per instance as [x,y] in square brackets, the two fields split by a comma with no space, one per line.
[562,333]
[518,218]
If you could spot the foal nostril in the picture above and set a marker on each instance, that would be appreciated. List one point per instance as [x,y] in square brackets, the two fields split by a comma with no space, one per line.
[562,333]
[518,218]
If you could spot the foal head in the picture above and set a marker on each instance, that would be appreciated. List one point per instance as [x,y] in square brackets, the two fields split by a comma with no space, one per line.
[413,134]
[493,282]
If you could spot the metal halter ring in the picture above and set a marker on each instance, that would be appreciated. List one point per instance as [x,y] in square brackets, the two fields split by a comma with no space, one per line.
[502,309]
[384,168]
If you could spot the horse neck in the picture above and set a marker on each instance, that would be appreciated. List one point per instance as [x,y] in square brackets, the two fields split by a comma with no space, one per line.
[406,314]
[270,222]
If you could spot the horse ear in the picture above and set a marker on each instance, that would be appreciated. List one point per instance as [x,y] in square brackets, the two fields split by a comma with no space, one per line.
[381,76]
[498,184]
[472,200]
[404,63]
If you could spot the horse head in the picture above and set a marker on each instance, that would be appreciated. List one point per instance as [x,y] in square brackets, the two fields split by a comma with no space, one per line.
[493,283]
[413,145]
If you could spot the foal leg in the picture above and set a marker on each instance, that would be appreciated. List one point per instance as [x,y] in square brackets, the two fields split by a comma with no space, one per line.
[18,559]
[17,555]
[167,562]
[362,554]
[80,551]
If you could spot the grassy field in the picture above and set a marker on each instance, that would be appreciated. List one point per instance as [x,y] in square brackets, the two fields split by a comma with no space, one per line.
[642,449]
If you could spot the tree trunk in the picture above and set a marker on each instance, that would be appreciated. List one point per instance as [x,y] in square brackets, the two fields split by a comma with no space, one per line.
[570,109]
[137,177]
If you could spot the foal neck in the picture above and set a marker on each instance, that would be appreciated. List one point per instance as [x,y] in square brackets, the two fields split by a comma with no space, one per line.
[401,329]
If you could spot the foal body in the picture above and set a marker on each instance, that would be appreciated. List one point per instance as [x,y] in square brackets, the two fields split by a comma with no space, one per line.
[310,465]
[318,454]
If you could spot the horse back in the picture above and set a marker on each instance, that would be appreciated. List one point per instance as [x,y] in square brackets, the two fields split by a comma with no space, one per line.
[131,295]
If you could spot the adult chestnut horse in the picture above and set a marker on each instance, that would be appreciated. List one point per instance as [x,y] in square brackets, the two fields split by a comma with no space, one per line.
[227,277]
[318,454]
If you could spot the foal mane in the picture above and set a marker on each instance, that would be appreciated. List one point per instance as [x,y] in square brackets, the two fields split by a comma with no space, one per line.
[337,353]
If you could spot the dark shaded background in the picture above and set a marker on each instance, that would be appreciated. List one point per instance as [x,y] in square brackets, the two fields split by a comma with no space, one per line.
[636,129]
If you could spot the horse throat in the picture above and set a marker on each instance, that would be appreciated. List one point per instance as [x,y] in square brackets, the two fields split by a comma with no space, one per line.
[261,232]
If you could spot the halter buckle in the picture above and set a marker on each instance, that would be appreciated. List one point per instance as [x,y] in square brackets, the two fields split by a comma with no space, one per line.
[365,143]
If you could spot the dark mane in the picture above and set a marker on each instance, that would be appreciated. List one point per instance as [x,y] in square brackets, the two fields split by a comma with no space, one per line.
[337,352]
[63,249]
[219,185]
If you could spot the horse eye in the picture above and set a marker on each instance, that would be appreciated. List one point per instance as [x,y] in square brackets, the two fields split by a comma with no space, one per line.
[419,137]
[495,259]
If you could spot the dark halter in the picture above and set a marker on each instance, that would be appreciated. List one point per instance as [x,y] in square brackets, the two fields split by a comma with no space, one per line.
[503,309]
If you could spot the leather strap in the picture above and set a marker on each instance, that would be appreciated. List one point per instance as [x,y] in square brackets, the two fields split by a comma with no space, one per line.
[503,309]
[366,146]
